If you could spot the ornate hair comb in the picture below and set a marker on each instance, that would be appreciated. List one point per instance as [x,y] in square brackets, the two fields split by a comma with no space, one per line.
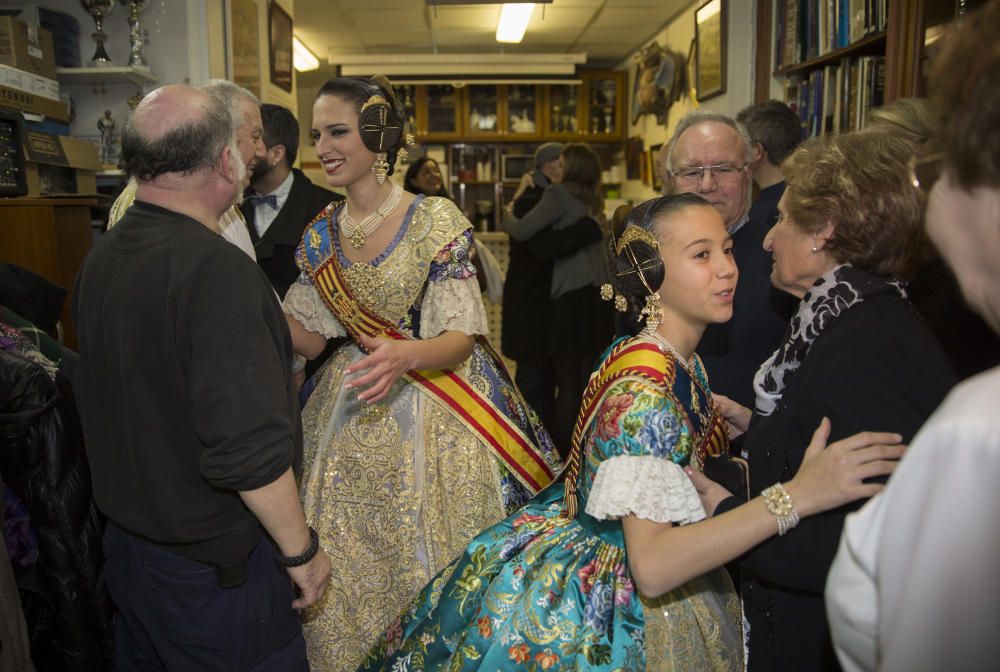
[635,234]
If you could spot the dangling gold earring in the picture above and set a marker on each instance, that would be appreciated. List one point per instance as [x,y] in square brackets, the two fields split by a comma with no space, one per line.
[652,311]
[380,167]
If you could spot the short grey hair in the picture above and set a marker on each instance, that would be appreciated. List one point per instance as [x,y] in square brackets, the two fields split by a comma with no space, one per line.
[231,96]
[698,117]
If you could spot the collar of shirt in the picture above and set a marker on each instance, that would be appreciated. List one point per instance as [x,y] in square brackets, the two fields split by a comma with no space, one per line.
[263,214]
[739,224]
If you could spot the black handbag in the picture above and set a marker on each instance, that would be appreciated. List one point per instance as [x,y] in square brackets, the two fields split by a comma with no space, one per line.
[731,472]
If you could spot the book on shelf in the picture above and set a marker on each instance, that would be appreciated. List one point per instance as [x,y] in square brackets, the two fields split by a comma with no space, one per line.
[837,97]
[808,29]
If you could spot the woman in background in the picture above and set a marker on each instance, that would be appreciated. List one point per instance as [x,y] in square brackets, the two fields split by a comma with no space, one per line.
[415,439]
[579,326]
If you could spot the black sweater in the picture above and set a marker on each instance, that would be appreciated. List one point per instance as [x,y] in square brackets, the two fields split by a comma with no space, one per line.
[184,383]
[877,367]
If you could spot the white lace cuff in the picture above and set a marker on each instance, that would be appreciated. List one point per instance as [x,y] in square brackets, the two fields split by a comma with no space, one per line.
[649,487]
[304,303]
[452,305]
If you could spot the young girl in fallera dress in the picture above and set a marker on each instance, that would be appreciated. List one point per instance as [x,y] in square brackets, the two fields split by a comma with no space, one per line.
[613,570]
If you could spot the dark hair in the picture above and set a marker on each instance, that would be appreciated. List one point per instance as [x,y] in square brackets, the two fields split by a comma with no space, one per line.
[187,147]
[280,128]
[582,175]
[965,86]
[624,277]
[411,175]
[859,182]
[774,126]
[356,91]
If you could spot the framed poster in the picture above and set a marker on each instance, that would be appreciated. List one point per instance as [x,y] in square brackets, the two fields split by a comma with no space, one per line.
[710,49]
[279,46]
[246,44]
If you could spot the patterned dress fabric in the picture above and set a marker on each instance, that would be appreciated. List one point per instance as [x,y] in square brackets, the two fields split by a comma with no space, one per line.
[544,591]
[396,489]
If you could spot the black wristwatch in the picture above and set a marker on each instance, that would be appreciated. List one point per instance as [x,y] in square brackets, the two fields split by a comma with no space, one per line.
[302,558]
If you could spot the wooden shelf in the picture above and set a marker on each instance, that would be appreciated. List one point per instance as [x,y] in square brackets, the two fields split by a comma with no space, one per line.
[109,75]
[873,44]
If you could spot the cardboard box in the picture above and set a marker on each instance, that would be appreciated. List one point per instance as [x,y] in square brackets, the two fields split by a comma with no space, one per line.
[13,78]
[27,48]
[29,102]
[60,165]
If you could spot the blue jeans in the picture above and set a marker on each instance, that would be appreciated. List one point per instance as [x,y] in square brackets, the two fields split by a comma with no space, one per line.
[172,614]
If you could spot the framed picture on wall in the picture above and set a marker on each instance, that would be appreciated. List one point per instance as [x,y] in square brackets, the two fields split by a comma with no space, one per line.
[246,44]
[280,46]
[710,49]
[656,169]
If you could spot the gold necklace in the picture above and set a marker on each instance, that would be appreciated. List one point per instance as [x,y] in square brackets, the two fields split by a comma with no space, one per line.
[357,232]
[667,346]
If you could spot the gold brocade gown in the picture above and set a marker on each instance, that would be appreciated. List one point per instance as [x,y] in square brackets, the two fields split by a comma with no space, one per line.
[395,489]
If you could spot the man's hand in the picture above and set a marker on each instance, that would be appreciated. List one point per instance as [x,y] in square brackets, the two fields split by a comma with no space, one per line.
[311,580]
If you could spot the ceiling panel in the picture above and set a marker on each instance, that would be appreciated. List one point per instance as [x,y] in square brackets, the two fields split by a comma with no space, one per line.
[608,29]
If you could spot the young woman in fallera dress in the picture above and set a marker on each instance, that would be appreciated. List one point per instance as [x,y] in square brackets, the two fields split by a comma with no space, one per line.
[415,437]
[613,570]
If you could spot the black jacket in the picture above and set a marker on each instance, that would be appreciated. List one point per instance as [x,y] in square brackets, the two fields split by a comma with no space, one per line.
[276,248]
[877,367]
[43,462]
[526,291]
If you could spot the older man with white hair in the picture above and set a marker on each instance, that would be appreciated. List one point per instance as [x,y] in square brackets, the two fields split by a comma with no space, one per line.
[711,154]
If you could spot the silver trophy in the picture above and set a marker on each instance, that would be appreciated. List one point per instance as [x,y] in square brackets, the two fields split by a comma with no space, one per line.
[136,38]
[99,9]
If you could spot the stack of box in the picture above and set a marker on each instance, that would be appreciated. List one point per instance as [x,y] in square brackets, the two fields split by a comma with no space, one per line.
[28,70]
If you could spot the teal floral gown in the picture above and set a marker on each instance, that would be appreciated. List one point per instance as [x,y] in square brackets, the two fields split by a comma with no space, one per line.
[549,588]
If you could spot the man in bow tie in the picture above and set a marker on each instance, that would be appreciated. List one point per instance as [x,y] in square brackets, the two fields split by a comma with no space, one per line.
[282,201]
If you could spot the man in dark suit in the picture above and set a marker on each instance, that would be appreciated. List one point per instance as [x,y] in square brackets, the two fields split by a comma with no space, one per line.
[713,156]
[282,201]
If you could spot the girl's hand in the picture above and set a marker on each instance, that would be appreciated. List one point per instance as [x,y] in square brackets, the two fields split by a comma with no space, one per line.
[833,475]
[737,416]
[388,359]
[710,492]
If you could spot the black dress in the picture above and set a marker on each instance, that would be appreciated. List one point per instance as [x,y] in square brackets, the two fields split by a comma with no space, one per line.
[876,367]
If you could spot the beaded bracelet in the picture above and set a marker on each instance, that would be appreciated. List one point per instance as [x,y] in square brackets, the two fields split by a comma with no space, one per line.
[302,558]
[779,504]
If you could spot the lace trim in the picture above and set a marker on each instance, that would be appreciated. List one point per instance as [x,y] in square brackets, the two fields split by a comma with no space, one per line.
[648,487]
[303,303]
[452,305]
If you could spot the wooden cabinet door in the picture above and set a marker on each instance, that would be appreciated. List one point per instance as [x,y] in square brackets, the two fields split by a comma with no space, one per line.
[604,105]
[562,114]
[521,107]
[438,110]
[482,114]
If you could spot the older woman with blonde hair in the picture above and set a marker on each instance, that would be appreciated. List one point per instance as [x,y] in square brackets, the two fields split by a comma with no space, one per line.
[856,352]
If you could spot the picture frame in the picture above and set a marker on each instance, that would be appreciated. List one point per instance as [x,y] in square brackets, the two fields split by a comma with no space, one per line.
[245,27]
[279,46]
[656,175]
[710,49]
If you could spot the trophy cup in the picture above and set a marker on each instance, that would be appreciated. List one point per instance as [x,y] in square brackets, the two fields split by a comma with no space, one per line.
[99,9]
[135,32]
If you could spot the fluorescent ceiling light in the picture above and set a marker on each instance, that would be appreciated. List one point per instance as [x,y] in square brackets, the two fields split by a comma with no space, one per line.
[455,65]
[514,18]
[303,59]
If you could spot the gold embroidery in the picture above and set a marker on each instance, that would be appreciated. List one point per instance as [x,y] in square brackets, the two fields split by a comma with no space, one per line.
[397,489]
[314,240]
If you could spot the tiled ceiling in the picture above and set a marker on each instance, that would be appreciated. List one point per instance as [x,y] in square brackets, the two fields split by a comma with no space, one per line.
[607,30]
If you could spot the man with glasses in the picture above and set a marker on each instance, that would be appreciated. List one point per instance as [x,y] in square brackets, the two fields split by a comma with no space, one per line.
[711,155]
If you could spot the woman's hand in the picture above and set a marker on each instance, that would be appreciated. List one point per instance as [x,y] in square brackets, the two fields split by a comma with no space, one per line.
[710,492]
[737,416]
[833,475]
[388,359]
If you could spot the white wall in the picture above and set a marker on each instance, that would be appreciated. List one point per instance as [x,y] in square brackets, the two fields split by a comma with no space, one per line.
[677,36]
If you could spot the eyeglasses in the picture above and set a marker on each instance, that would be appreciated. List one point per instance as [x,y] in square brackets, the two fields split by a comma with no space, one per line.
[723,174]
[925,171]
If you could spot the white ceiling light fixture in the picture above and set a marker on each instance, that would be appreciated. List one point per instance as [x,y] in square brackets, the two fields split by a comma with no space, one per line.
[455,65]
[514,18]
[303,59]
